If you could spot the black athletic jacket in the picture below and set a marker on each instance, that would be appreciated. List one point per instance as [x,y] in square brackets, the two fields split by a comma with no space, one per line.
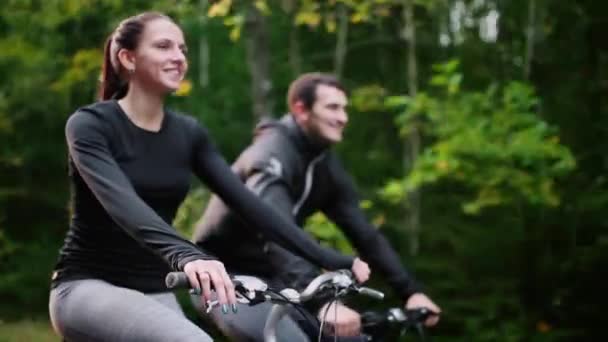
[298,178]
[127,184]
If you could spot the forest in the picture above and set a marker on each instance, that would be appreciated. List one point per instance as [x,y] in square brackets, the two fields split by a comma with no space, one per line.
[476,138]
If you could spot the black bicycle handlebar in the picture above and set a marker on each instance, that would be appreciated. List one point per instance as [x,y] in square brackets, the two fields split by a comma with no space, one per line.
[177,280]
[385,324]
[370,293]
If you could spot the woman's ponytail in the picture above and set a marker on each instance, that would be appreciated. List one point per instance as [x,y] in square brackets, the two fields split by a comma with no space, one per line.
[110,79]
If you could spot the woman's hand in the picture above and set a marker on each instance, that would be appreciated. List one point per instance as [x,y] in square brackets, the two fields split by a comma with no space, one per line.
[211,274]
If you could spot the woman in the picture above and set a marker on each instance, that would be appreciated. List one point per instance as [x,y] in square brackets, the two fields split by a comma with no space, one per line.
[130,165]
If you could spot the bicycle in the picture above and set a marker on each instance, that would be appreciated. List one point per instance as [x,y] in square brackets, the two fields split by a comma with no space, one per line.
[335,285]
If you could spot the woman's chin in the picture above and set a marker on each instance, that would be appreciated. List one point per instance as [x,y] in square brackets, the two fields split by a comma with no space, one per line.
[171,89]
[171,86]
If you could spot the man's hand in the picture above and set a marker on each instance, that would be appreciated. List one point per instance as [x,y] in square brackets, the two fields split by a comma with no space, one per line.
[360,270]
[346,323]
[419,300]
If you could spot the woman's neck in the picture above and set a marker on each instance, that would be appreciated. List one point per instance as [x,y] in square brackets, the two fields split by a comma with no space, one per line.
[143,108]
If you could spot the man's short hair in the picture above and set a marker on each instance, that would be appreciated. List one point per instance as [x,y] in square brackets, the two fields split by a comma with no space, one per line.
[304,88]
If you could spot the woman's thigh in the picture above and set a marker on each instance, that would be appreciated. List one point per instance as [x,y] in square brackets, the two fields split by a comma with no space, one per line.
[94,310]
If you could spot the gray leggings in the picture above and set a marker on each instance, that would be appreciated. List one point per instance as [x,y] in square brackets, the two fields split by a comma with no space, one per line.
[94,310]
[248,324]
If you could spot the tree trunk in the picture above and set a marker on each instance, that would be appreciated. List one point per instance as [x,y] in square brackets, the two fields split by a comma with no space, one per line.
[295,59]
[258,61]
[341,43]
[412,143]
[203,49]
[530,38]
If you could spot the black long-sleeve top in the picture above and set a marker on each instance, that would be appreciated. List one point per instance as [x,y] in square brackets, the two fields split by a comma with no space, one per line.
[127,184]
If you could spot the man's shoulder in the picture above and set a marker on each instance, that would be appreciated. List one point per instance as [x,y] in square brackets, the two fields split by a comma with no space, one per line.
[272,141]
[271,152]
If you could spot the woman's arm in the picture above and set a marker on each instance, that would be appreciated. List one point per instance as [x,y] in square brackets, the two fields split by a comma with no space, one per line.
[211,167]
[88,148]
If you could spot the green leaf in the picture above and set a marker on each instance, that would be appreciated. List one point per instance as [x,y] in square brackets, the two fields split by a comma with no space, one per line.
[397,101]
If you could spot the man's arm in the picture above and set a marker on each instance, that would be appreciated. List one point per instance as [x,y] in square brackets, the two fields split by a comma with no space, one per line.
[372,245]
[270,184]
[344,210]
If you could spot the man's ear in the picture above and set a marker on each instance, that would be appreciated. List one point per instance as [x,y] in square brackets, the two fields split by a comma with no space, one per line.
[299,111]
[126,58]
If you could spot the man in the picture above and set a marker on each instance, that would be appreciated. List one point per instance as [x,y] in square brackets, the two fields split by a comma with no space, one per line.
[291,166]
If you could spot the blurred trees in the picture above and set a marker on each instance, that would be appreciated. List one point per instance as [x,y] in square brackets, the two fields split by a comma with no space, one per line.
[512,137]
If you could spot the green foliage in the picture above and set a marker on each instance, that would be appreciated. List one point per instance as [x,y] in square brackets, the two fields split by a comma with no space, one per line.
[83,69]
[191,211]
[368,98]
[527,266]
[331,235]
[27,330]
[494,142]
[327,232]
[7,247]
[26,273]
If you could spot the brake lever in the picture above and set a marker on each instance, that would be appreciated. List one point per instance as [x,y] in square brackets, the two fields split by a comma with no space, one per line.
[419,314]
[210,304]
[258,298]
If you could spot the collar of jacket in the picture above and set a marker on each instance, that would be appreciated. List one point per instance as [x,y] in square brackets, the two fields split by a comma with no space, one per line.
[309,146]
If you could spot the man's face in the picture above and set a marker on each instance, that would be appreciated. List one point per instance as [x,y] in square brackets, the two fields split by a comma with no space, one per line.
[328,117]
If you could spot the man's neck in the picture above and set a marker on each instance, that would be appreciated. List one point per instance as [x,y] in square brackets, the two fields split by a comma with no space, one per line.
[313,142]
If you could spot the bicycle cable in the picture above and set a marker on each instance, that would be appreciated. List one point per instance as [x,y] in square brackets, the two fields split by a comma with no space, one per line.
[298,307]
[333,301]
[335,320]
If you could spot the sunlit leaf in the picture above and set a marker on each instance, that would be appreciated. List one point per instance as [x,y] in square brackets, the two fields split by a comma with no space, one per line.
[185,87]
[219,8]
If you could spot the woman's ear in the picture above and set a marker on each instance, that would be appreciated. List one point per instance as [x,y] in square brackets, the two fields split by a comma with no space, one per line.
[126,59]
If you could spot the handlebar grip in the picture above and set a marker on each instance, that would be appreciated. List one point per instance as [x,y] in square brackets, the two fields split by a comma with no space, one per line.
[420,314]
[371,293]
[177,280]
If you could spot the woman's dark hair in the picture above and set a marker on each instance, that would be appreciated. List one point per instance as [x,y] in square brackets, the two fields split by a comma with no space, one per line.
[304,88]
[126,36]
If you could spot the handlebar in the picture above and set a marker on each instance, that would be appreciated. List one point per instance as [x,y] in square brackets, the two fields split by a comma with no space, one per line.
[177,280]
[395,320]
[339,282]
[342,280]
[398,316]
[251,291]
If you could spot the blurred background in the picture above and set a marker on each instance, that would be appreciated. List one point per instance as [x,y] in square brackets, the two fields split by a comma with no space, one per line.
[478,134]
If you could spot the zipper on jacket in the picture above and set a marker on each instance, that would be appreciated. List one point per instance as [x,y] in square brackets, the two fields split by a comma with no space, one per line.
[307,185]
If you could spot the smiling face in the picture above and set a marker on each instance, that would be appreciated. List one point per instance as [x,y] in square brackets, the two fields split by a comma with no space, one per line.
[159,61]
[327,118]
